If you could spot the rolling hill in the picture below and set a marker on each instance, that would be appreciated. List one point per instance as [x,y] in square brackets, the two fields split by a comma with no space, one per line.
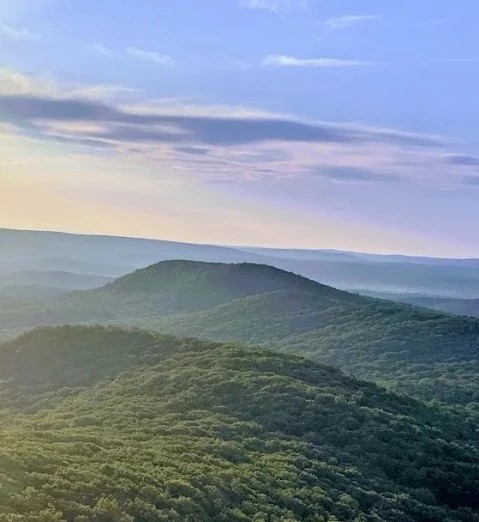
[110,424]
[421,352]
[162,289]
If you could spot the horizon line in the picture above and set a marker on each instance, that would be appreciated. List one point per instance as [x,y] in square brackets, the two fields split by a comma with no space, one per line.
[240,247]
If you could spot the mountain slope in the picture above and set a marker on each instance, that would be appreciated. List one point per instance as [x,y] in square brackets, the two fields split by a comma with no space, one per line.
[192,285]
[392,343]
[161,289]
[415,351]
[186,430]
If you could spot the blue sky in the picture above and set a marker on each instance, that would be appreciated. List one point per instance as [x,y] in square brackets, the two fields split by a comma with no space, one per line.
[305,123]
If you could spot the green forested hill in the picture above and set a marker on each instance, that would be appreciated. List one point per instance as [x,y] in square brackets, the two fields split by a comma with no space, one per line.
[420,352]
[107,424]
[161,289]
[425,353]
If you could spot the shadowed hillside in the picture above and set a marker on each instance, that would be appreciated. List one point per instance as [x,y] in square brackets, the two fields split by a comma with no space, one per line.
[191,285]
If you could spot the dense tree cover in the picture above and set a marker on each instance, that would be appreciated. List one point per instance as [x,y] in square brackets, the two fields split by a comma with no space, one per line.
[130,425]
[71,356]
[421,352]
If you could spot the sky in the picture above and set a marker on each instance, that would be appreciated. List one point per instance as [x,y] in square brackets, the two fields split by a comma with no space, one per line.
[287,123]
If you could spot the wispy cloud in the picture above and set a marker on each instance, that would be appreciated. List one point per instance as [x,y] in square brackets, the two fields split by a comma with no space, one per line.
[353,175]
[14,82]
[150,56]
[103,50]
[291,61]
[344,22]
[16,34]
[276,6]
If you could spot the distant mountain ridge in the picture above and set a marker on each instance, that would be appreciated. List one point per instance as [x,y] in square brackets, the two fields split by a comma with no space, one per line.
[348,255]
[22,249]
[116,256]
[54,279]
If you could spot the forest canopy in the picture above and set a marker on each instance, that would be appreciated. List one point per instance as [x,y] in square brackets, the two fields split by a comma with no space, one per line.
[186,430]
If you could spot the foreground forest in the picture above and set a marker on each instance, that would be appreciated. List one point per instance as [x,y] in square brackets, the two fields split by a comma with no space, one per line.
[111,424]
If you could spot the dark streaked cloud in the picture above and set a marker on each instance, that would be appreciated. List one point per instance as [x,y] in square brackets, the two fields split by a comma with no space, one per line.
[194,151]
[221,142]
[352,174]
[25,108]
[470,181]
[264,171]
[462,159]
[154,126]
[142,134]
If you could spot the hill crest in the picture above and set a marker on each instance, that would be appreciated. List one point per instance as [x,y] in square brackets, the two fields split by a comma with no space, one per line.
[233,276]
